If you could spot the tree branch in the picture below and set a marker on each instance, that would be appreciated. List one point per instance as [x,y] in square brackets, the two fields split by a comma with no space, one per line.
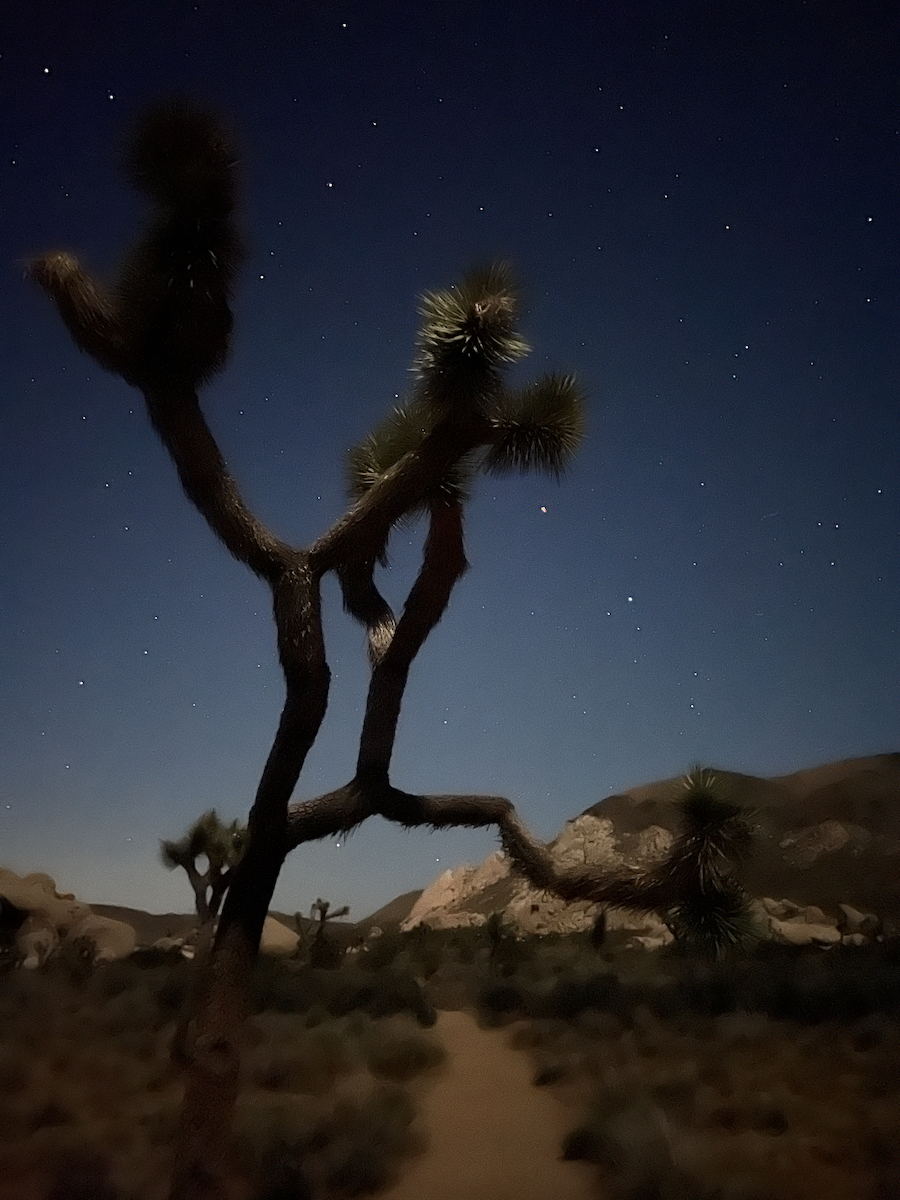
[367,524]
[179,421]
[443,564]
[364,602]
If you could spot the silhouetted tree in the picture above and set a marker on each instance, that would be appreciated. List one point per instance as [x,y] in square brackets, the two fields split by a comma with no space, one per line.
[712,914]
[322,951]
[221,845]
[165,328]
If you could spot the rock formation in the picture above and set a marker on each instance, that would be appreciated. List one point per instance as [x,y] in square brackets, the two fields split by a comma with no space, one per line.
[828,848]
[38,919]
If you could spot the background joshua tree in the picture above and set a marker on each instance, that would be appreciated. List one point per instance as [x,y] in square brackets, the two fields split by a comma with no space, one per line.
[221,845]
[322,951]
[165,327]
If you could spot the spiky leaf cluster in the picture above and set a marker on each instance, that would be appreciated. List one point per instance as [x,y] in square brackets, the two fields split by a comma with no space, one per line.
[398,434]
[539,428]
[222,845]
[468,335]
[712,913]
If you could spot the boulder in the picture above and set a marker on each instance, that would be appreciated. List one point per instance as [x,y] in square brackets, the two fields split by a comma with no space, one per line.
[53,917]
[277,939]
[49,914]
[452,889]
[852,921]
[169,943]
[112,939]
[802,933]
[35,941]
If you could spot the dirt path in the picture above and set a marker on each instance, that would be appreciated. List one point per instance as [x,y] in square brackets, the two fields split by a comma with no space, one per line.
[492,1134]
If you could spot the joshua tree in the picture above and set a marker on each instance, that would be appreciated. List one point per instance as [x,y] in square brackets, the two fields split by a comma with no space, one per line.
[712,913]
[322,952]
[165,327]
[221,845]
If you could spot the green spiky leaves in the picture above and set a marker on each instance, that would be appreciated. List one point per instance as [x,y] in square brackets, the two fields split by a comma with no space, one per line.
[713,913]
[209,836]
[468,335]
[720,829]
[539,428]
[401,432]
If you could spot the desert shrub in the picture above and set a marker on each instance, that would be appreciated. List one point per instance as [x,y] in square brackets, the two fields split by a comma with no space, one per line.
[380,952]
[382,994]
[274,1130]
[171,989]
[351,1149]
[303,1060]
[151,957]
[569,997]
[286,987]
[630,1141]
[425,950]
[278,986]
[499,1003]
[72,960]
[399,1054]
[465,943]
[81,1176]
[325,953]
[506,953]
[364,1140]
[15,1069]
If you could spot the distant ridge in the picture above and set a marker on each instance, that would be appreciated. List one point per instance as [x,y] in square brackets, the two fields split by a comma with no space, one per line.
[828,834]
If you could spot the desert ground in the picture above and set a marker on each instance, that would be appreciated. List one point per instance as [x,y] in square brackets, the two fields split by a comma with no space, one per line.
[438,1065]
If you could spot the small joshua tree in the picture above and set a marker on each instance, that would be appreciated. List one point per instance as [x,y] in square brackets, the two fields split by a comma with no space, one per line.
[221,845]
[323,952]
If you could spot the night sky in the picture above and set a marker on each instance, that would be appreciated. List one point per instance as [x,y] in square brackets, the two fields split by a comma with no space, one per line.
[702,210]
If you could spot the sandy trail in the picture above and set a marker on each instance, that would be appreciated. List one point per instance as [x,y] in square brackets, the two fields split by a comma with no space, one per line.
[492,1134]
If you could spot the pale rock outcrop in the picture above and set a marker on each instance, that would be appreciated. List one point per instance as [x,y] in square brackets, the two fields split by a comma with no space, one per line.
[852,922]
[803,933]
[112,939]
[452,889]
[36,894]
[53,917]
[829,837]
[35,942]
[451,902]
[169,943]
[803,847]
[592,841]
[277,939]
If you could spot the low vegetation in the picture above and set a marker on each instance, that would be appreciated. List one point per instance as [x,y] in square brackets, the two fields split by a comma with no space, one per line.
[89,1097]
[772,1073]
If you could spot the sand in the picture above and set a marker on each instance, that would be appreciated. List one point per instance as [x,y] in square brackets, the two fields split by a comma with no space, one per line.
[492,1134]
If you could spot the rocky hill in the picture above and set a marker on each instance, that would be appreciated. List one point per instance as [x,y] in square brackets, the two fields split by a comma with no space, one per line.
[825,837]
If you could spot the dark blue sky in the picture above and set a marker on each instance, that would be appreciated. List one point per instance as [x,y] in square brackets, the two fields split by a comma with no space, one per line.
[703,212]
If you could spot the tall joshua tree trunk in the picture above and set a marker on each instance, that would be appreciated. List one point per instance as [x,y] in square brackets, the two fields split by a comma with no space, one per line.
[165,327]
